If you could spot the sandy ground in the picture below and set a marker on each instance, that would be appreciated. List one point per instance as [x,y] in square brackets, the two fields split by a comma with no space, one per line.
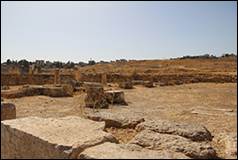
[210,104]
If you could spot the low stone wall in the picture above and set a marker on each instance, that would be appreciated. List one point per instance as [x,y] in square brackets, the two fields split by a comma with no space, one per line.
[39,79]
[61,91]
[167,79]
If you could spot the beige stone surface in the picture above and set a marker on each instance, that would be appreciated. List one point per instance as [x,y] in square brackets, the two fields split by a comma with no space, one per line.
[116,120]
[194,132]
[8,111]
[157,141]
[122,151]
[34,137]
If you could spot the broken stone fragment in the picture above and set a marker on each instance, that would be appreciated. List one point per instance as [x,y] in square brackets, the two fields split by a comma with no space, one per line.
[126,85]
[116,120]
[95,97]
[50,138]
[194,132]
[157,141]
[8,111]
[115,97]
[127,151]
[148,84]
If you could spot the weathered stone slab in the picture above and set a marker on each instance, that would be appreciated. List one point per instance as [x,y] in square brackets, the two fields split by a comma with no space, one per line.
[192,131]
[126,151]
[116,120]
[8,111]
[157,141]
[51,138]
[115,97]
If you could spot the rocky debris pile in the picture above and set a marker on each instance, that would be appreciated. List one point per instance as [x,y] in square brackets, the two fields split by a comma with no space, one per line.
[115,120]
[8,111]
[50,138]
[126,151]
[52,91]
[115,97]
[126,84]
[95,97]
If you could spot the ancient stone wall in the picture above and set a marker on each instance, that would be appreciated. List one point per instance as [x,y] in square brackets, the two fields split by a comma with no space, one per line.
[39,79]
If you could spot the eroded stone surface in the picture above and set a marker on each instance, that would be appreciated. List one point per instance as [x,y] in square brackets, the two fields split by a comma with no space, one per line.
[115,120]
[34,137]
[95,97]
[157,141]
[115,97]
[192,131]
[8,111]
[126,151]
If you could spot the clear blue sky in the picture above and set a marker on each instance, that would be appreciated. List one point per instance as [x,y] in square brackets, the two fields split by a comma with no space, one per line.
[78,31]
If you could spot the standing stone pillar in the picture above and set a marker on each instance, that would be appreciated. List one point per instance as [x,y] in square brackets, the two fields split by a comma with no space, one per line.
[104,78]
[56,77]
[30,75]
[77,75]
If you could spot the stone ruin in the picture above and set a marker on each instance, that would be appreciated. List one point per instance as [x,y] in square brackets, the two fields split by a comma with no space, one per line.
[75,137]
[95,97]
[56,77]
[126,84]
[52,91]
[8,111]
[148,84]
[115,97]
[104,79]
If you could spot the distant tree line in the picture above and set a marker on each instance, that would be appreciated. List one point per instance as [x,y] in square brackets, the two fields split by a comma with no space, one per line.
[208,56]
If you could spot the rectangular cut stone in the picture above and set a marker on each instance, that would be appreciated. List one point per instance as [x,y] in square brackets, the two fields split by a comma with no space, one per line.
[8,111]
[51,138]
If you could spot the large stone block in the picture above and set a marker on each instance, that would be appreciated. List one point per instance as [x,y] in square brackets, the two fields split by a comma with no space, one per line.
[115,97]
[157,141]
[95,97]
[51,138]
[116,120]
[127,151]
[8,111]
[194,132]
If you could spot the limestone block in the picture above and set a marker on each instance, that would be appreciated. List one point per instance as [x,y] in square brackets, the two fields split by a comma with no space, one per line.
[157,141]
[194,132]
[51,138]
[116,120]
[115,97]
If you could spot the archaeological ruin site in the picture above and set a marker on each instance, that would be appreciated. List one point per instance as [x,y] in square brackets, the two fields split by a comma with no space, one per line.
[157,109]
